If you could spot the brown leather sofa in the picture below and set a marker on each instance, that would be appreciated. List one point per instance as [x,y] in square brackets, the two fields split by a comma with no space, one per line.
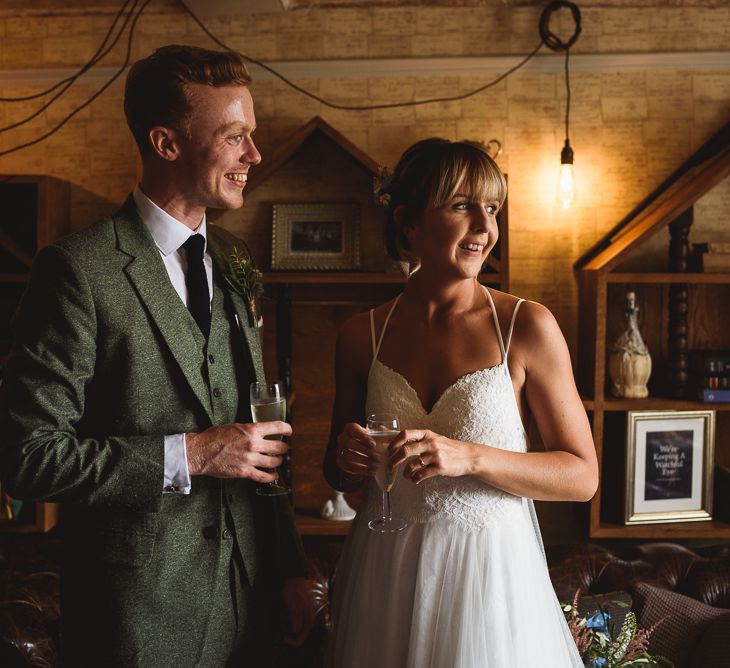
[30,606]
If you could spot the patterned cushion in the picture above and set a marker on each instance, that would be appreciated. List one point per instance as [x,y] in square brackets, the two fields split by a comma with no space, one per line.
[685,622]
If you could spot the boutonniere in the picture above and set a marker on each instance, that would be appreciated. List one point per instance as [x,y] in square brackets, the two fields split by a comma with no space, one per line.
[244,277]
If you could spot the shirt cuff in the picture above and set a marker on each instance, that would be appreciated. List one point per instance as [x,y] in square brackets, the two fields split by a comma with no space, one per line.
[177,474]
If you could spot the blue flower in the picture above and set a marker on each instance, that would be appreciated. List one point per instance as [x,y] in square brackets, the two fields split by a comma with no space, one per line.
[599,621]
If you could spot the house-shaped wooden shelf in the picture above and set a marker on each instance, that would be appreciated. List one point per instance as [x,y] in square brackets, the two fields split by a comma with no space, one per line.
[680,310]
[318,164]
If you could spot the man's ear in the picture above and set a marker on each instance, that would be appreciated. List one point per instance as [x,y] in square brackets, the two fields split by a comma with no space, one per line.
[165,142]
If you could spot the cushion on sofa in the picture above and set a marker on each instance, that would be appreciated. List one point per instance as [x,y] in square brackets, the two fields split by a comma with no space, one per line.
[686,620]
[714,646]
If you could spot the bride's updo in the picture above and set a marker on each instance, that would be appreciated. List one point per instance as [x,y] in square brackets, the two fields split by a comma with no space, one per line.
[429,174]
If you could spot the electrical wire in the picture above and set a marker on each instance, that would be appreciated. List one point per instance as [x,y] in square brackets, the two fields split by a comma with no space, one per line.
[89,100]
[363,107]
[547,38]
[72,79]
[92,61]
[553,42]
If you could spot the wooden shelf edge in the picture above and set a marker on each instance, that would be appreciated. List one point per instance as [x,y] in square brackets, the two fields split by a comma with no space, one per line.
[667,277]
[661,404]
[698,530]
[349,278]
[308,523]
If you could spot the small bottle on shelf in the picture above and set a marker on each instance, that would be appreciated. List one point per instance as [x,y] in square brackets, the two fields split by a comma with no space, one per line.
[629,363]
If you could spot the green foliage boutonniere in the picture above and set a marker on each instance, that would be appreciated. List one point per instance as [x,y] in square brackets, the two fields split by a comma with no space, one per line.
[245,279]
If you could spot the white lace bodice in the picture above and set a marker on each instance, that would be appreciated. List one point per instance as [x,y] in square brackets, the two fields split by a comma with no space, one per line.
[480,407]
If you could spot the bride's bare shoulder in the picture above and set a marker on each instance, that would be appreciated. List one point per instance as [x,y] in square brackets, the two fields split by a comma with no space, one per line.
[534,323]
[355,334]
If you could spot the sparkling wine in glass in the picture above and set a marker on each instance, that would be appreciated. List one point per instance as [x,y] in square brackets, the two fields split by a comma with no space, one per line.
[383,428]
[268,403]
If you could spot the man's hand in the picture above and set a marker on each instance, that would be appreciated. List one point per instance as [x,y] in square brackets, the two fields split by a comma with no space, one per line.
[235,450]
[299,600]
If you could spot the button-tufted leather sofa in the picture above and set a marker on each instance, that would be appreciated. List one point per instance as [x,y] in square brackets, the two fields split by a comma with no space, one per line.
[30,611]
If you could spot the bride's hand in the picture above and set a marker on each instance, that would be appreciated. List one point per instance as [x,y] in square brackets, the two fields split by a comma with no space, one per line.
[427,454]
[356,456]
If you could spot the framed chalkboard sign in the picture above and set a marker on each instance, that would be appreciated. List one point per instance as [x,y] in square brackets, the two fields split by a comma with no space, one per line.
[669,457]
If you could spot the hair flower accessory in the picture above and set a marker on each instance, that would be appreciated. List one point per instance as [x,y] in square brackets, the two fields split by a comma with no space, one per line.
[245,278]
[382,184]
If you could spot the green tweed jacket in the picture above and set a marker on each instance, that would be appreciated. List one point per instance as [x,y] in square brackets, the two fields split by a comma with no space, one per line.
[107,361]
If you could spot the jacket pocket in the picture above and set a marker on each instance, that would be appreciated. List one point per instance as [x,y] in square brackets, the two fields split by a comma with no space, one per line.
[127,548]
[121,547]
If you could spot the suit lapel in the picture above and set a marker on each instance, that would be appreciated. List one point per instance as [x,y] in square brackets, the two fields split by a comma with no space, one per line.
[149,277]
[219,251]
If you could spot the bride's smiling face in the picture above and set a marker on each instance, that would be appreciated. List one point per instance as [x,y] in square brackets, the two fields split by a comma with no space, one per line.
[455,238]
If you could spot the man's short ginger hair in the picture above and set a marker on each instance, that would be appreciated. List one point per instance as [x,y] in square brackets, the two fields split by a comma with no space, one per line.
[157,91]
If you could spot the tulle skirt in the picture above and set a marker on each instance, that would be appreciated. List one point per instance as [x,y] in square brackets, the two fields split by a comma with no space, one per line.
[437,596]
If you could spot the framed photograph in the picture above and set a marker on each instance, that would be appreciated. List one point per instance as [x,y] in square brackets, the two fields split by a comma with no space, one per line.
[316,236]
[669,457]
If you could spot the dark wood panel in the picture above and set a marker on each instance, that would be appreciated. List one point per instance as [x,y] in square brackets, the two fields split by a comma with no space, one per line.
[709,317]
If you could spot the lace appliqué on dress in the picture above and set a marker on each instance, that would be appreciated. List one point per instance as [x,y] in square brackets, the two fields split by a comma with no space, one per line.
[480,408]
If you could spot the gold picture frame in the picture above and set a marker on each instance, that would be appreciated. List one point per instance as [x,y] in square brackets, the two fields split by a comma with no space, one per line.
[669,466]
[316,236]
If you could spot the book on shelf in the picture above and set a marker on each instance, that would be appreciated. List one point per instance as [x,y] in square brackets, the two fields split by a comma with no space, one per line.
[713,396]
[712,257]
[709,362]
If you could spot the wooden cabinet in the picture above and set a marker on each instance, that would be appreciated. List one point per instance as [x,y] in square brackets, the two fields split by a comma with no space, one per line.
[35,212]
[680,311]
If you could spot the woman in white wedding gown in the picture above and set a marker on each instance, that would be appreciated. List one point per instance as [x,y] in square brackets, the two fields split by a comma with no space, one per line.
[465,584]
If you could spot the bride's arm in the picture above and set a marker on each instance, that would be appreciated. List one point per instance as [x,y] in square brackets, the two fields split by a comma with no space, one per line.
[349,457]
[568,471]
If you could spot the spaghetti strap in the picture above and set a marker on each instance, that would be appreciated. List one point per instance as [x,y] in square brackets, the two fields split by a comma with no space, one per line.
[372,330]
[376,348]
[496,324]
[512,325]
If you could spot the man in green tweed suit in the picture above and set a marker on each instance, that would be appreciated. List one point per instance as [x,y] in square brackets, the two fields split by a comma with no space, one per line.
[132,411]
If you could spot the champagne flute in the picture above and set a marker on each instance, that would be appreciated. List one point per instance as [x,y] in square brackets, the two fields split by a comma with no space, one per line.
[268,403]
[383,428]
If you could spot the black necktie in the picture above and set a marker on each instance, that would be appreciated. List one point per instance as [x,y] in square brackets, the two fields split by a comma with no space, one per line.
[196,281]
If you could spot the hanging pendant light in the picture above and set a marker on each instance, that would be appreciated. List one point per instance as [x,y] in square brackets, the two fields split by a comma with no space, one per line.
[566,181]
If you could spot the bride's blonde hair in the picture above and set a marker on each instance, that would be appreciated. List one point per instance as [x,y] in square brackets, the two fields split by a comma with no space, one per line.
[429,174]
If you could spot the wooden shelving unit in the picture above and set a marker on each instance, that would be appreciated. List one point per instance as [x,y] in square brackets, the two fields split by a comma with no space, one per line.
[35,213]
[681,310]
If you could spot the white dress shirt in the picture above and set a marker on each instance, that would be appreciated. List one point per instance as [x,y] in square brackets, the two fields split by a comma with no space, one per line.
[169,235]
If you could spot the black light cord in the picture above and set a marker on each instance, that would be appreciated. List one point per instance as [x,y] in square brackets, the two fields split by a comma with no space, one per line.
[553,42]
[92,61]
[547,38]
[69,81]
[364,107]
[91,98]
